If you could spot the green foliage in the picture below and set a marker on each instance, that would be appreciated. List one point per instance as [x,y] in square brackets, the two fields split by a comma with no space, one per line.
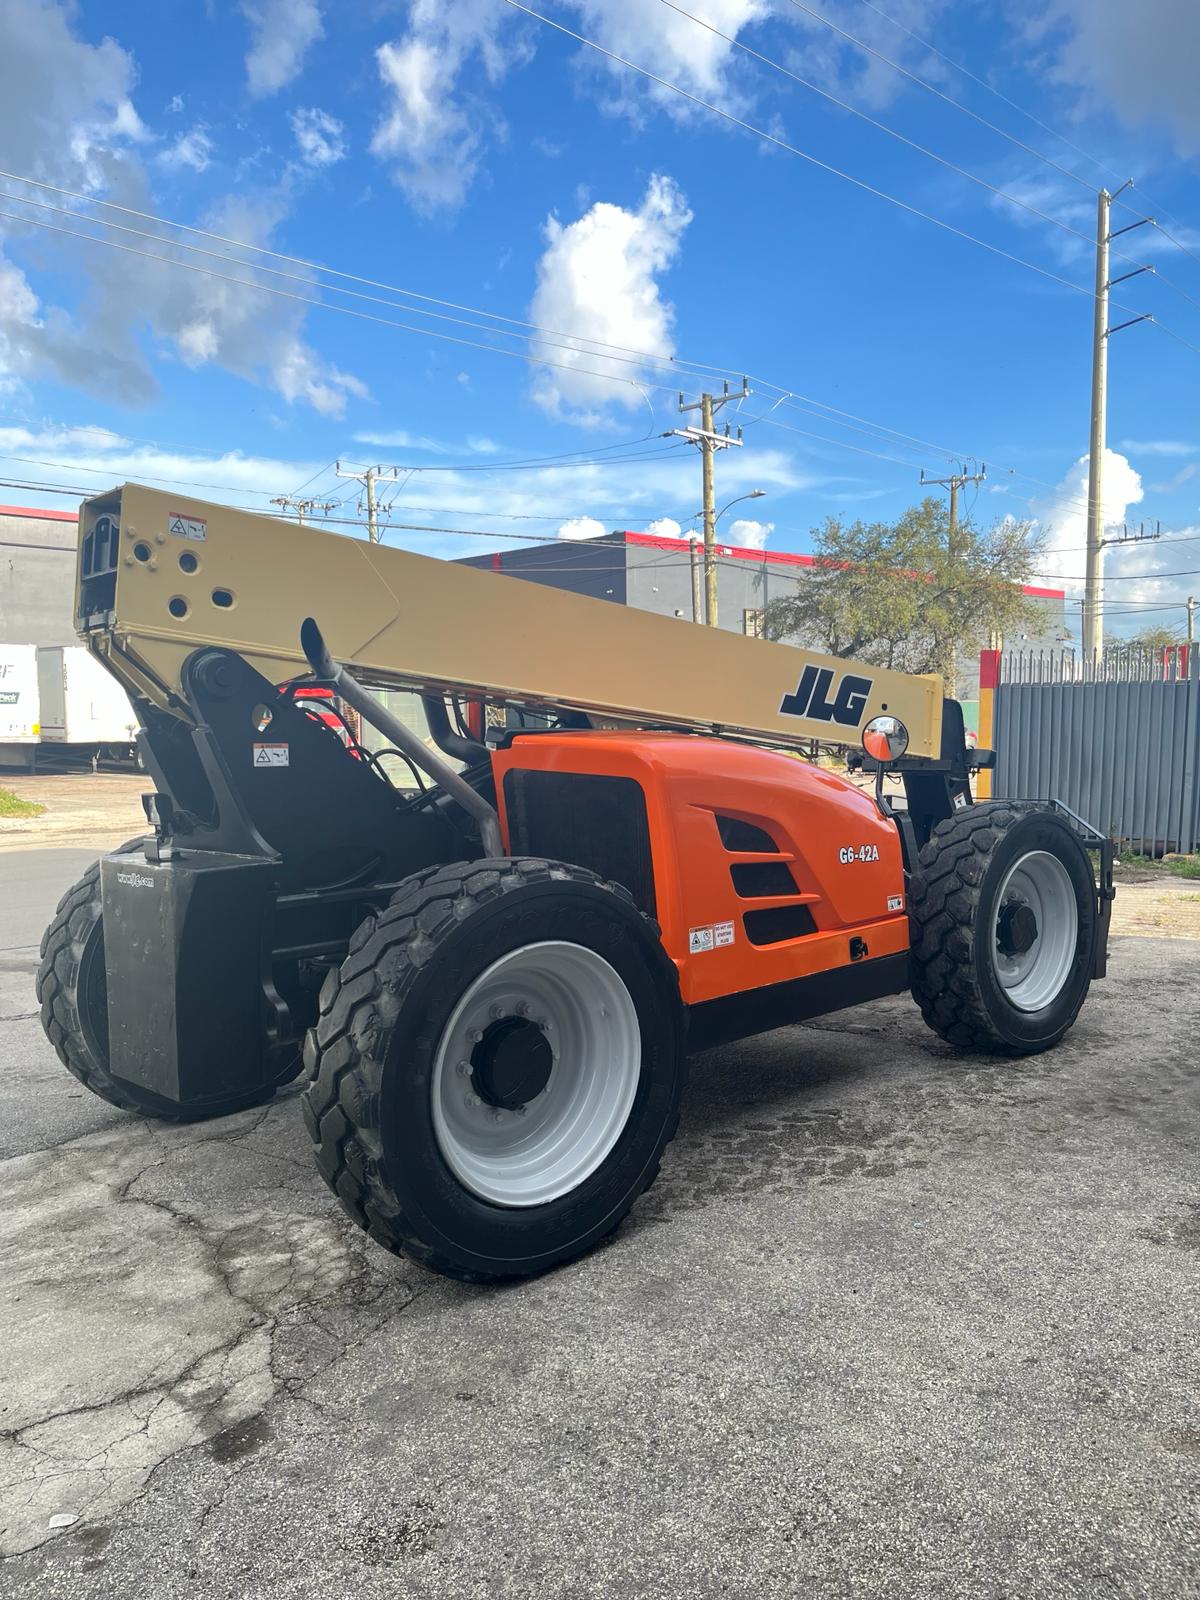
[892,593]
[11,805]
[1155,638]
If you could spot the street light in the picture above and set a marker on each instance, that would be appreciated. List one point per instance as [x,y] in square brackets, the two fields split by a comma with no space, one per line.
[755,494]
[698,606]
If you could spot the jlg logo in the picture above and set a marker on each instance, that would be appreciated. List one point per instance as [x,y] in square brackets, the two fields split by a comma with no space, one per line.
[811,698]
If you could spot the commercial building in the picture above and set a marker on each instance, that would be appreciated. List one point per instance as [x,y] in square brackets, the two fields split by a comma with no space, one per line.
[37,576]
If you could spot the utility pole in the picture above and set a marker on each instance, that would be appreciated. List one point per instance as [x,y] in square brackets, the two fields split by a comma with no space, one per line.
[697,581]
[1191,611]
[369,477]
[1093,586]
[954,482]
[303,508]
[709,441]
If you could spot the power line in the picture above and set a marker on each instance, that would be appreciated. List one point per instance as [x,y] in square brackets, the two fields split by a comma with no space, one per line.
[983,84]
[883,127]
[993,127]
[675,363]
[325,305]
[786,396]
[824,166]
[949,99]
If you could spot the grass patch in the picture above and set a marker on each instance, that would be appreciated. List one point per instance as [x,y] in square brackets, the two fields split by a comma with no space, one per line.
[1181,867]
[11,805]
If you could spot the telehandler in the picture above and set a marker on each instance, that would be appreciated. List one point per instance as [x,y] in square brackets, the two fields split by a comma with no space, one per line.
[493,982]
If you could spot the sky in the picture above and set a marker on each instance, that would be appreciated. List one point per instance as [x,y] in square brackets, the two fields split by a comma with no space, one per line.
[500,254]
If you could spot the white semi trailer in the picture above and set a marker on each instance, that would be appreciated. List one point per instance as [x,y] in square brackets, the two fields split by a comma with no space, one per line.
[19,719]
[83,707]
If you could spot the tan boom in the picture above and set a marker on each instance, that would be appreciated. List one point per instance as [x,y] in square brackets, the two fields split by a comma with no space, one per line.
[190,574]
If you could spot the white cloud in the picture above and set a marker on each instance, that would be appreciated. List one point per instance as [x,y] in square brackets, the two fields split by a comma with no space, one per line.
[844,69]
[1139,61]
[208,319]
[1062,516]
[750,533]
[402,439]
[192,149]
[174,105]
[66,114]
[665,528]
[281,32]
[432,132]
[100,457]
[597,279]
[668,44]
[581,528]
[319,137]
[1133,572]
[1158,447]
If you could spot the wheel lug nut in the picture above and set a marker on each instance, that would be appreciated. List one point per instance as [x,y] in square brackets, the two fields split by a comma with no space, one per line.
[496,1012]
[497,1114]
[521,1110]
[464,1068]
[473,1102]
[474,1035]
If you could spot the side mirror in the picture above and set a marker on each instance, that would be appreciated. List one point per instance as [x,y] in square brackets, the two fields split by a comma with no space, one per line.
[885,739]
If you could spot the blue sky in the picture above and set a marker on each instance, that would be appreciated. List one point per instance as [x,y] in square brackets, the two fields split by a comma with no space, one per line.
[469,152]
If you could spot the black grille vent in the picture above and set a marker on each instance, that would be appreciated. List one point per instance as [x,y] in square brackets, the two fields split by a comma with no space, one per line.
[774,924]
[739,835]
[755,880]
[593,822]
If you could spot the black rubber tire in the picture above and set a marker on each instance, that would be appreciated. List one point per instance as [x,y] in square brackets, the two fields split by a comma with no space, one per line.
[71,991]
[952,908]
[371,1056]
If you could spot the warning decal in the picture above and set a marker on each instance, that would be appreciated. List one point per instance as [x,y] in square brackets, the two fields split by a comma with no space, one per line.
[270,755]
[699,939]
[895,902]
[186,527]
[723,934]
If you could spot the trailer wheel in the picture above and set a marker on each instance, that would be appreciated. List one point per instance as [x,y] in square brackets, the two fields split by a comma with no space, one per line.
[73,995]
[497,1068]
[1003,914]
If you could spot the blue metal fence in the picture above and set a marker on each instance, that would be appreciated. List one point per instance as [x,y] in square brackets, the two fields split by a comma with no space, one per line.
[1116,739]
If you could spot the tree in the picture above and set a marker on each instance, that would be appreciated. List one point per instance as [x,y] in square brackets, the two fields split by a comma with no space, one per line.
[1155,639]
[890,592]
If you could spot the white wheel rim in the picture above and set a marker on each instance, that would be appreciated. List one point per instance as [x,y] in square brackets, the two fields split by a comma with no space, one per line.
[1034,977]
[544,1149]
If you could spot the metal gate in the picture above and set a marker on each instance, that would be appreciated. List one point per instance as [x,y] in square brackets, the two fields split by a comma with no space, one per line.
[1116,739]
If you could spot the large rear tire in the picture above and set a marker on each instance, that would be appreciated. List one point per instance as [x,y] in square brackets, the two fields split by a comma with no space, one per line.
[497,1068]
[1003,914]
[73,995]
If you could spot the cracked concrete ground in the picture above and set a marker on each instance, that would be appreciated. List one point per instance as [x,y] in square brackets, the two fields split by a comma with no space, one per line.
[893,1322]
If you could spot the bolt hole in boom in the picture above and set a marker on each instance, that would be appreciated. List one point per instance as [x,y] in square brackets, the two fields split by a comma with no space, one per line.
[222,598]
[142,551]
[188,562]
[177,606]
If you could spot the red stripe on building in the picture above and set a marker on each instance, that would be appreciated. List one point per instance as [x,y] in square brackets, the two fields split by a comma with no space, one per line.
[782,558]
[43,516]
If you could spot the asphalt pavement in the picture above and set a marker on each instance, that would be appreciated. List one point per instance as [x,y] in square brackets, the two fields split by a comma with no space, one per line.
[893,1322]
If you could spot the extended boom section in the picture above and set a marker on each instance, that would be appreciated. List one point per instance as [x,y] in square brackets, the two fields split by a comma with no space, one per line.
[492,975]
[161,576]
